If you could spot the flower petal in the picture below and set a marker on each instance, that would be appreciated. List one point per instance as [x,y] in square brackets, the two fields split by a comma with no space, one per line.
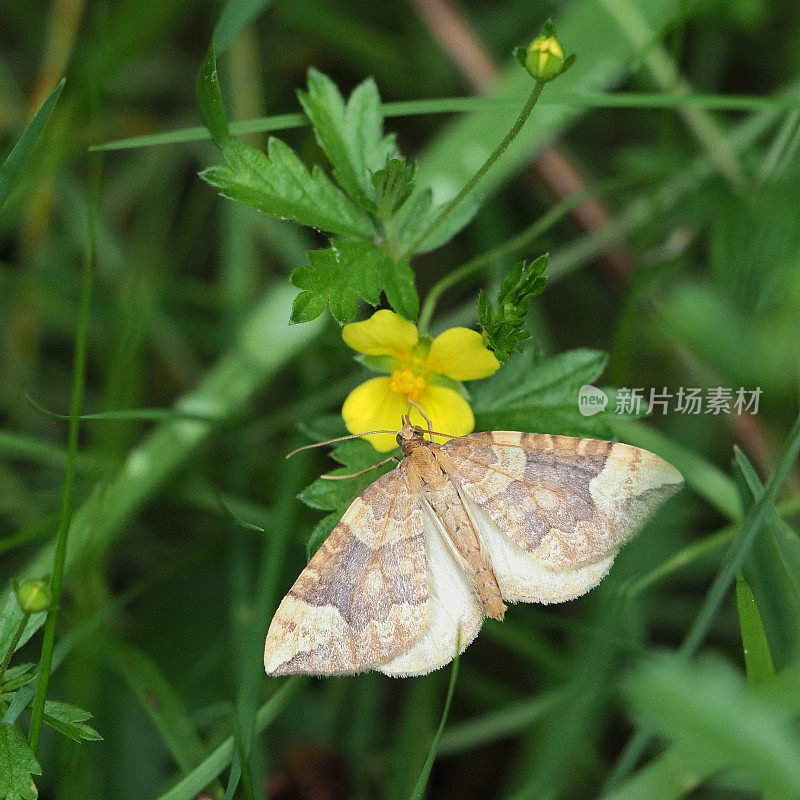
[461,354]
[383,334]
[448,410]
[371,406]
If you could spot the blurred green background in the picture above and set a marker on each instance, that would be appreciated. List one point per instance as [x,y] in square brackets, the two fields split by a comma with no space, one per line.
[686,270]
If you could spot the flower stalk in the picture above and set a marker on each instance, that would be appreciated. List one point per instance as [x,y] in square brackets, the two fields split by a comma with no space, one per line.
[485,167]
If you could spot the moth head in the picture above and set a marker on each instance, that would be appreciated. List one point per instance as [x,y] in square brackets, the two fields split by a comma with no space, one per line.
[409,432]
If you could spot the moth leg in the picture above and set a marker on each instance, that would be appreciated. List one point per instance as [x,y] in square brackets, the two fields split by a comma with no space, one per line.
[361,471]
[424,416]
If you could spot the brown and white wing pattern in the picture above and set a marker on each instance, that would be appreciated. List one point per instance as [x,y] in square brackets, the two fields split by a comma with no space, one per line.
[455,613]
[552,511]
[363,598]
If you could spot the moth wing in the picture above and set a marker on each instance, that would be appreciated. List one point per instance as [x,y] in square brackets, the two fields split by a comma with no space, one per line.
[455,613]
[552,511]
[363,598]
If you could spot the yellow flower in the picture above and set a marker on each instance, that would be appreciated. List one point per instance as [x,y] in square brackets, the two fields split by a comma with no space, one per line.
[418,370]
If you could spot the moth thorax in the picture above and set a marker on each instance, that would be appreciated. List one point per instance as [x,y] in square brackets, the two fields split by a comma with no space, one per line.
[409,445]
[421,466]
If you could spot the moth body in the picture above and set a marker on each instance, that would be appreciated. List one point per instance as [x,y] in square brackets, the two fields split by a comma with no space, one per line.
[428,470]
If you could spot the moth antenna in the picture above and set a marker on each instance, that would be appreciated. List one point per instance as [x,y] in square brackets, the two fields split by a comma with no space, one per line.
[337,439]
[361,471]
[449,435]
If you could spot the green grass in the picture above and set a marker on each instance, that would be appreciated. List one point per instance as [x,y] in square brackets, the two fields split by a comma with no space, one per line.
[150,386]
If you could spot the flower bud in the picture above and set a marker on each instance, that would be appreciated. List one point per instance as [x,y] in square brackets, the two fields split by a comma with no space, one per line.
[33,596]
[544,57]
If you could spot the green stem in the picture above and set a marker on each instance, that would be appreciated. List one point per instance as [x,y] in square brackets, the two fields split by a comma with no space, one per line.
[65,510]
[513,245]
[12,647]
[473,181]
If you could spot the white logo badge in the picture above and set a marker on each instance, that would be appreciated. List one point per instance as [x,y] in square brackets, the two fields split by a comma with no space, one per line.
[591,400]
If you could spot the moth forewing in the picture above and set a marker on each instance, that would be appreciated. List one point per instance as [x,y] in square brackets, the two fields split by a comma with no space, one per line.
[567,500]
[631,485]
[363,597]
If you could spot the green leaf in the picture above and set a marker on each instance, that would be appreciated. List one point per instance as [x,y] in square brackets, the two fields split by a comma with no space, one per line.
[399,285]
[18,765]
[209,98]
[330,495]
[307,306]
[279,184]
[340,276]
[71,721]
[773,572]
[10,622]
[322,530]
[393,184]
[672,775]
[15,677]
[707,710]
[16,159]
[757,658]
[415,214]
[347,272]
[548,30]
[503,324]
[527,395]
[349,133]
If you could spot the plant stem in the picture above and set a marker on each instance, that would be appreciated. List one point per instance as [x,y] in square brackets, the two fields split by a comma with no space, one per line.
[65,510]
[473,181]
[513,245]
[13,646]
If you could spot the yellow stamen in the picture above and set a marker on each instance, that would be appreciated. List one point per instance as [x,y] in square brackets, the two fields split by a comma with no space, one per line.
[407,383]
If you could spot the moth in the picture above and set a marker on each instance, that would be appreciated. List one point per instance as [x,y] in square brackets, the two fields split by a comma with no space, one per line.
[451,535]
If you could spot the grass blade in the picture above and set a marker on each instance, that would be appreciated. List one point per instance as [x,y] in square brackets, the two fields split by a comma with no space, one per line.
[209,769]
[460,105]
[732,563]
[757,658]
[422,782]
[128,414]
[671,776]
[501,723]
[161,704]
[235,15]
[65,510]
[209,98]
[773,574]
[22,150]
